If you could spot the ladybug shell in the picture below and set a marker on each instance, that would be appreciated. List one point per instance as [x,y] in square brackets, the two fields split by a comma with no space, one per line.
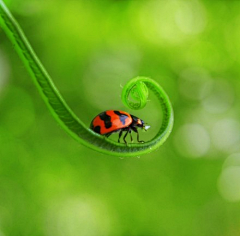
[110,121]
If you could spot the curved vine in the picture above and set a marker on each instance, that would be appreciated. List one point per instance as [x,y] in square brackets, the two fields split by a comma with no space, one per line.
[137,88]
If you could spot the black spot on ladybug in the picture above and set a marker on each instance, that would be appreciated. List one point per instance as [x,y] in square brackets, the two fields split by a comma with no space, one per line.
[106,118]
[122,116]
[97,129]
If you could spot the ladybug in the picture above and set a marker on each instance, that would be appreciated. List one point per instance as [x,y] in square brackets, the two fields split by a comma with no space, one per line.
[112,121]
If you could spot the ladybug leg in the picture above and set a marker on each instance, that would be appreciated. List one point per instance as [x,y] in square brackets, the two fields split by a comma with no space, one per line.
[130,132]
[140,141]
[107,135]
[136,131]
[120,134]
[124,138]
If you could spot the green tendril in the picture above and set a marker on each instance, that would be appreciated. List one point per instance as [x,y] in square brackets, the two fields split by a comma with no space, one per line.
[136,88]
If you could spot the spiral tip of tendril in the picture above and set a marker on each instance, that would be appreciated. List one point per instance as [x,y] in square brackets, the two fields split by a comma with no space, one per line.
[135,94]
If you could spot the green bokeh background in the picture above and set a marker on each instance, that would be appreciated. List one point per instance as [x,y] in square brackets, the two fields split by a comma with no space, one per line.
[51,185]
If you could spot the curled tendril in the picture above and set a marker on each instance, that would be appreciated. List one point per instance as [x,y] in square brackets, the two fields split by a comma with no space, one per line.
[136,88]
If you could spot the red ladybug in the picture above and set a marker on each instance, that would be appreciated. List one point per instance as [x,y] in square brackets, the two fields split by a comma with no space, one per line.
[112,121]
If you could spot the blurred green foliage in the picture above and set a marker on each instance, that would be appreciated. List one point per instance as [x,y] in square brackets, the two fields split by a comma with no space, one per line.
[50,185]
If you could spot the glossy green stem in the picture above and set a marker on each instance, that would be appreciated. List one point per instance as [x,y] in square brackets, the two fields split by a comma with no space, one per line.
[136,87]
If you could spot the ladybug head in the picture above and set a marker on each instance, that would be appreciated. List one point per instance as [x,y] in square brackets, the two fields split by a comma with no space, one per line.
[139,123]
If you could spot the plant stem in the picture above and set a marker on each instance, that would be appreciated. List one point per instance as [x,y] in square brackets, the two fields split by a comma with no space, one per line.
[66,117]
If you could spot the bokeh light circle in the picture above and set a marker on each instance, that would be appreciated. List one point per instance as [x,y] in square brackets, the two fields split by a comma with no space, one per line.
[192,140]
[229,183]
